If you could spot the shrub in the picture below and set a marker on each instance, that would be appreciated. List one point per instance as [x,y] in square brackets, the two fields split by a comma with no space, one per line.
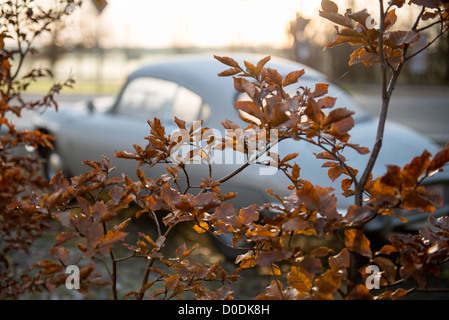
[346,272]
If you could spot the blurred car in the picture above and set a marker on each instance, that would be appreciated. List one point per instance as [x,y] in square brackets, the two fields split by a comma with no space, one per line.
[188,87]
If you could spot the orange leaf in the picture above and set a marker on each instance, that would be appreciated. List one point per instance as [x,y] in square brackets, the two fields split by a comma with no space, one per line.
[292,77]
[320,90]
[360,292]
[341,260]
[229,72]
[300,279]
[171,282]
[248,215]
[262,63]
[337,115]
[439,160]
[356,241]
[328,5]
[202,227]
[227,61]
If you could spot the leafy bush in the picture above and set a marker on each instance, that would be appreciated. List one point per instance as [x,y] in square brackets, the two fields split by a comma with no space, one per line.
[90,218]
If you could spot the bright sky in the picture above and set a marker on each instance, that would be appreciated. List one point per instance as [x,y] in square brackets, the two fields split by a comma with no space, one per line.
[152,23]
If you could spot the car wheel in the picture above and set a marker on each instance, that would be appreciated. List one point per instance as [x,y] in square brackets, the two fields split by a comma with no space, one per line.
[53,164]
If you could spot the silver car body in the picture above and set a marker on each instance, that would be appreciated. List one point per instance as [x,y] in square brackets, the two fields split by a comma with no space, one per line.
[85,135]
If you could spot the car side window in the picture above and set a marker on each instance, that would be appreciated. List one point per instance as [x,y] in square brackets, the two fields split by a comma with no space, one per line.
[149,97]
[188,106]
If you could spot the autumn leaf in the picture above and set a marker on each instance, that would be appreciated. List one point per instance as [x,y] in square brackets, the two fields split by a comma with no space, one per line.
[112,236]
[399,38]
[248,215]
[337,115]
[356,241]
[246,260]
[320,90]
[201,227]
[49,266]
[251,108]
[390,19]
[439,160]
[360,292]
[299,279]
[227,61]
[341,260]
[64,237]
[326,285]
[171,282]
[292,77]
[262,63]
[229,72]
[330,12]
[434,4]
[328,5]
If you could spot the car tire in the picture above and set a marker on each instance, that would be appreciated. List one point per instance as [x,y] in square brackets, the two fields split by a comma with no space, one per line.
[53,163]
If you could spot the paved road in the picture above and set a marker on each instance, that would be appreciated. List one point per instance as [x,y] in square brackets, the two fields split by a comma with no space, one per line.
[425,109]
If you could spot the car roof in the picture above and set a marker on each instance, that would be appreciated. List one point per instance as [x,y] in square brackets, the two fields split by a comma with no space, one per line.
[203,68]
[198,72]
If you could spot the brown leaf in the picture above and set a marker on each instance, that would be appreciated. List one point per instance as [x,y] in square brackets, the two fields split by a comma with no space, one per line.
[387,266]
[272,292]
[229,72]
[112,237]
[358,216]
[242,85]
[356,241]
[337,115]
[273,75]
[248,215]
[308,195]
[390,19]
[399,38]
[227,61]
[341,260]
[434,4]
[292,77]
[250,68]
[251,108]
[360,16]
[328,5]
[94,234]
[327,284]
[360,292]
[415,169]
[64,237]
[267,258]
[320,90]
[345,39]
[300,279]
[49,266]
[331,14]
[171,282]
[398,294]
[321,252]
[262,63]
[439,160]
[310,264]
